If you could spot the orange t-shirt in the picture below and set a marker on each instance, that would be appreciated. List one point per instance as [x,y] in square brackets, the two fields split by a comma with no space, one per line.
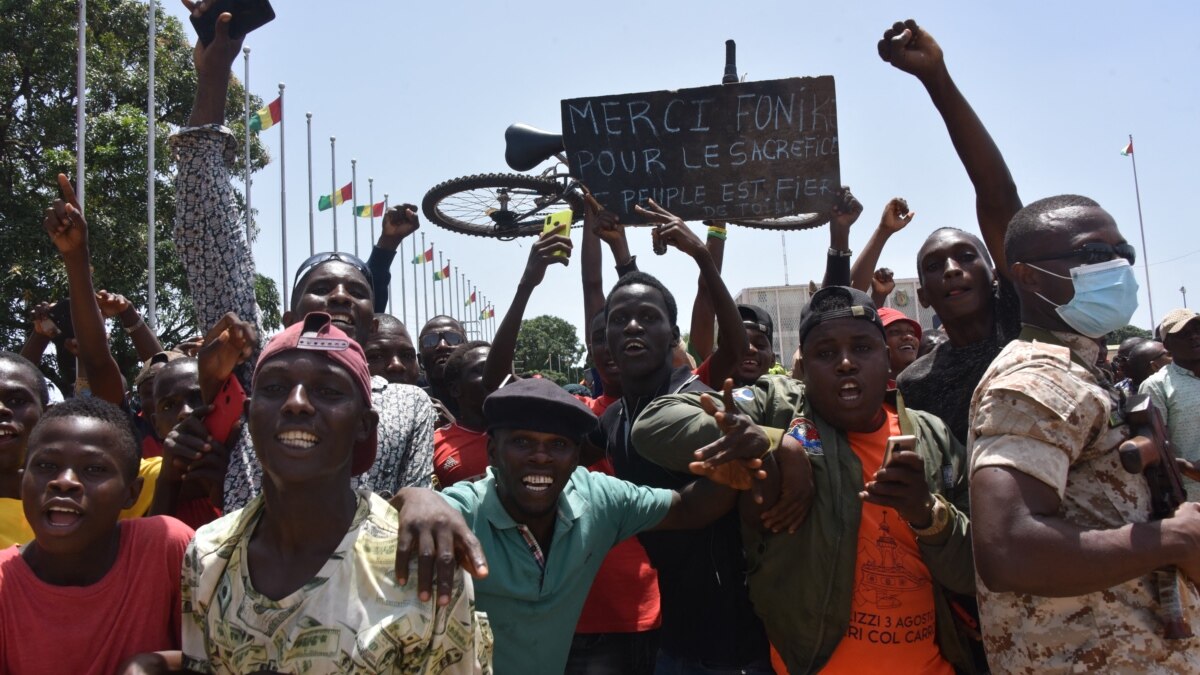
[892,625]
[459,454]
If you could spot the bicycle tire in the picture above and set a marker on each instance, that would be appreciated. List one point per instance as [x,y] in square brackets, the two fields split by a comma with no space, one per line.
[800,221]
[473,204]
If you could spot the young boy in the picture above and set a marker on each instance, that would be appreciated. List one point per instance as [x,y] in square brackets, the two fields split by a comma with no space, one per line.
[302,579]
[89,591]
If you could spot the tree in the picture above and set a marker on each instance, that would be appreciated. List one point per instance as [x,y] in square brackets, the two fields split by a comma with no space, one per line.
[37,141]
[1124,333]
[545,344]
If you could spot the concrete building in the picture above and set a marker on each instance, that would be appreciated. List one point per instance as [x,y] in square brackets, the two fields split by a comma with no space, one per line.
[784,303]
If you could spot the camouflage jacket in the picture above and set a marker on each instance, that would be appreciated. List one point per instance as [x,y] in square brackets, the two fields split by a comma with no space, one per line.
[1041,411]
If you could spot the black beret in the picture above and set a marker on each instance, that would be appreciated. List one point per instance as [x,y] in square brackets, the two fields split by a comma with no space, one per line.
[844,303]
[538,404]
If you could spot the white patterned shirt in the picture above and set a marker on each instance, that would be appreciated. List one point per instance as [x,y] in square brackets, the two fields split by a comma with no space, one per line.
[211,242]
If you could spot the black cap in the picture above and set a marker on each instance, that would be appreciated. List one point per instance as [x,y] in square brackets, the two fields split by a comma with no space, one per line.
[850,303]
[757,318]
[537,404]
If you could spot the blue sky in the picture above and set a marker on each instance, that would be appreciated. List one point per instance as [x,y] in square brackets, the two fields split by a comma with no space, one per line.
[422,92]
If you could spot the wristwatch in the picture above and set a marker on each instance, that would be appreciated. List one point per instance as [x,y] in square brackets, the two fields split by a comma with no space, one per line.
[940,518]
[838,253]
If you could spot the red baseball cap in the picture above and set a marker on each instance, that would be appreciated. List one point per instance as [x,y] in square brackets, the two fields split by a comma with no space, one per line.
[891,316]
[318,334]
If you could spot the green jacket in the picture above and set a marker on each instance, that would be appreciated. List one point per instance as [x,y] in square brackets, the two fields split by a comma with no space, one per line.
[802,584]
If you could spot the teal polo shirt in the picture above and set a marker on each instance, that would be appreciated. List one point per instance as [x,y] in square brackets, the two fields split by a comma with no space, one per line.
[533,613]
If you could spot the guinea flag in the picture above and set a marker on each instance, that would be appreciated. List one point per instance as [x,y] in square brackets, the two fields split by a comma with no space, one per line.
[422,258]
[470,300]
[442,274]
[1128,150]
[367,210]
[267,117]
[487,313]
[327,202]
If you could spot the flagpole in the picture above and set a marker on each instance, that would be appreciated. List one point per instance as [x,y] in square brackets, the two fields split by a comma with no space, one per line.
[246,85]
[371,196]
[1142,227]
[438,270]
[151,128]
[478,318]
[333,190]
[312,233]
[392,281]
[81,108]
[456,296]
[283,271]
[354,200]
[416,304]
[424,283]
[441,268]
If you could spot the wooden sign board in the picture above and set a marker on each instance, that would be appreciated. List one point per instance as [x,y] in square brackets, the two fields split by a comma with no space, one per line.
[749,150]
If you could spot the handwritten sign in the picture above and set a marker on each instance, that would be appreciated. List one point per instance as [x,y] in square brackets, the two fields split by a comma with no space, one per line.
[750,150]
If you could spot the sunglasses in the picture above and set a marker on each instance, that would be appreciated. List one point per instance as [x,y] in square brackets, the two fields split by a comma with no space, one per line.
[431,340]
[322,258]
[1094,253]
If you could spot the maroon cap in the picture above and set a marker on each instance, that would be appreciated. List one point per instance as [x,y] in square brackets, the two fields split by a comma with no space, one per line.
[890,316]
[316,333]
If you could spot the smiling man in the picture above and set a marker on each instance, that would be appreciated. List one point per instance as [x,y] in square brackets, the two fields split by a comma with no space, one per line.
[546,523]
[863,584]
[89,592]
[903,339]
[309,563]
[211,241]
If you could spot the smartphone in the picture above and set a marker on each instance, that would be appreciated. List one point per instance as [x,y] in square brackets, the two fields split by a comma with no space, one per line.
[248,15]
[227,410]
[558,223]
[60,314]
[898,444]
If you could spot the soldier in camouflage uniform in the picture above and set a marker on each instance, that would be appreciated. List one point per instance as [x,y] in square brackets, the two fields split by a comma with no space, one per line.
[1064,550]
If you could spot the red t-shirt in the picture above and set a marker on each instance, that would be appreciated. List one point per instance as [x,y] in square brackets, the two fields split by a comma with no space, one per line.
[624,595]
[459,454]
[703,372]
[135,608]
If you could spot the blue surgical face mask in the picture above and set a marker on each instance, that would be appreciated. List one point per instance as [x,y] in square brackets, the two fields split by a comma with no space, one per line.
[1105,297]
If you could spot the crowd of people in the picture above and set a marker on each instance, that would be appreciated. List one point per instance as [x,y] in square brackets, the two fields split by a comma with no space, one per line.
[342,498]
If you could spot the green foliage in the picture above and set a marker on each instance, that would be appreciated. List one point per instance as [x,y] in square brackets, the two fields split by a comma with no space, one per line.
[552,375]
[37,141]
[266,293]
[1124,333]
[546,344]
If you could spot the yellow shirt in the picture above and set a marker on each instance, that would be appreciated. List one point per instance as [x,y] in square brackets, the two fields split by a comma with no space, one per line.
[13,527]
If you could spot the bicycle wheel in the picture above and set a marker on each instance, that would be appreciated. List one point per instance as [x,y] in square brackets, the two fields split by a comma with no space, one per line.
[501,205]
[800,221]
